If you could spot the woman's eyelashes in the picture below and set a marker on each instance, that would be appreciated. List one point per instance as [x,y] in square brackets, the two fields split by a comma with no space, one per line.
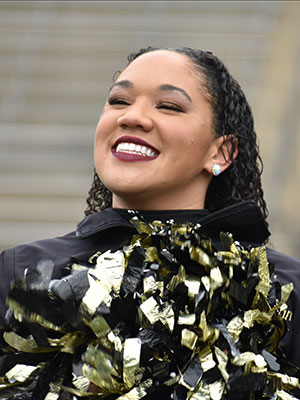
[170,106]
[163,105]
[117,101]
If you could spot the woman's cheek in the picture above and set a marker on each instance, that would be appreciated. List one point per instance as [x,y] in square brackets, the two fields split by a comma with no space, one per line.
[105,127]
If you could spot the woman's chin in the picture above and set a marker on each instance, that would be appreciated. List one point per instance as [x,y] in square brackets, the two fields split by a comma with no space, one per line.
[128,186]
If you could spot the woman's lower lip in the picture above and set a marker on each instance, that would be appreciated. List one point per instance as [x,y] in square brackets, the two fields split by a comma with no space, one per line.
[131,157]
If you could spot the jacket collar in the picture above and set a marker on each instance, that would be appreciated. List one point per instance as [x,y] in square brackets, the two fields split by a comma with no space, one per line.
[244,220]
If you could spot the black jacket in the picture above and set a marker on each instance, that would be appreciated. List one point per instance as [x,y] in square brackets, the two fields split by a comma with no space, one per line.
[110,228]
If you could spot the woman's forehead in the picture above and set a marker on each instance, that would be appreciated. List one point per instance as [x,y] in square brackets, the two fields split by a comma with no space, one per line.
[159,60]
[161,66]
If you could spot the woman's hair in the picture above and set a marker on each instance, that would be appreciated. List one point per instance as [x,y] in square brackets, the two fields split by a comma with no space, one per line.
[232,116]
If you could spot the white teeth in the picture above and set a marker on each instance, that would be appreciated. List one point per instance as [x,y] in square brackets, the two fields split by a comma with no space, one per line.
[131,146]
[148,152]
[135,149]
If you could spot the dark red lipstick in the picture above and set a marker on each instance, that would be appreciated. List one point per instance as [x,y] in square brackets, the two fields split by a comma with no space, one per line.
[135,140]
[124,155]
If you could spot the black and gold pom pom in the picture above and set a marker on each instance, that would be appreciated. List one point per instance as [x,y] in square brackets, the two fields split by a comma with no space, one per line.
[166,316]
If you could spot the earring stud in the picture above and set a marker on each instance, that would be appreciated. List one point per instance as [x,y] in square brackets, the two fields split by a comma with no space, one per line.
[216,169]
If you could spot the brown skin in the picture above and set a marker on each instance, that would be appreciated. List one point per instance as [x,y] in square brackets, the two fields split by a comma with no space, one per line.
[177,124]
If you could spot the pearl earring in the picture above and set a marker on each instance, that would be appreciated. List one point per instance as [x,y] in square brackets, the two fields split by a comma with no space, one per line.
[216,169]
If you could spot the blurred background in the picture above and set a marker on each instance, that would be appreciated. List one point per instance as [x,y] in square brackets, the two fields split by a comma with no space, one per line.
[57,60]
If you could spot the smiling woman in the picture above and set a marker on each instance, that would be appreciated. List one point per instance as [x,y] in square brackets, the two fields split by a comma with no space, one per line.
[172,119]
[220,98]
[149,296]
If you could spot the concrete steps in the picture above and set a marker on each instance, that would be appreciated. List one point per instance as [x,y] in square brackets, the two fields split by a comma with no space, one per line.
[57,61]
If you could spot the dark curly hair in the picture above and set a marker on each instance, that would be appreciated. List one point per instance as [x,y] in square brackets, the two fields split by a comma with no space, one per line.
[231,115]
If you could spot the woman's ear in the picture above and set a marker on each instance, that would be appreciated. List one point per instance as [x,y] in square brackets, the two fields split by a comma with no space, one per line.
[225,150]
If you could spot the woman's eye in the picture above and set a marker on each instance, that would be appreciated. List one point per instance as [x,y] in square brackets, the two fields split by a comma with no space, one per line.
[117,100]
[170,106]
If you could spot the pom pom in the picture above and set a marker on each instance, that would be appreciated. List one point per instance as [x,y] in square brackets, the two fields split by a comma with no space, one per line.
[167,316]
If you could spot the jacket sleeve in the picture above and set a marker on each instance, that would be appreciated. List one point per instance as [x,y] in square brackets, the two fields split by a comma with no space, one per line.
[287,270]
[7,272]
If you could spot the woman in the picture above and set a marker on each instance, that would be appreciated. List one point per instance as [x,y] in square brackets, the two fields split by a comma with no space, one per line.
[175,141]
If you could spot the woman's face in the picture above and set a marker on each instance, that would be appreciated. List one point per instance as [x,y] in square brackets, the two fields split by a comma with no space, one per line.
[154,143]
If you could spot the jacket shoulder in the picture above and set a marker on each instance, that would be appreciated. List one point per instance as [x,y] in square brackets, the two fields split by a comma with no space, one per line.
[14,260]
[282,257]
[103,233]
[287,270]
[286,267]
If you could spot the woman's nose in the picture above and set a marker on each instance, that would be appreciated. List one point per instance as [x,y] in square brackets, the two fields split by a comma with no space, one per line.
[136,117]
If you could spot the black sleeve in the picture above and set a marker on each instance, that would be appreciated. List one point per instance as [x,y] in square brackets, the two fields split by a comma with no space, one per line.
[288,270]
[7,275]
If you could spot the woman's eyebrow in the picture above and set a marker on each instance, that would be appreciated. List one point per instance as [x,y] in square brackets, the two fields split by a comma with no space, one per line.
[124,83]
[170,88]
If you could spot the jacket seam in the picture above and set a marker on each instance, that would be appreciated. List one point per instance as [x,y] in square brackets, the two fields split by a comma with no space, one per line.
[102,228]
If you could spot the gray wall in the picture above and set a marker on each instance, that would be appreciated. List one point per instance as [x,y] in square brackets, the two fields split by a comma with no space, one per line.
[57,60]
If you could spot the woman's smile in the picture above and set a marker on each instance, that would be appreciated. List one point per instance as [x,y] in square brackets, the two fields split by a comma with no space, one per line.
[131,149]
